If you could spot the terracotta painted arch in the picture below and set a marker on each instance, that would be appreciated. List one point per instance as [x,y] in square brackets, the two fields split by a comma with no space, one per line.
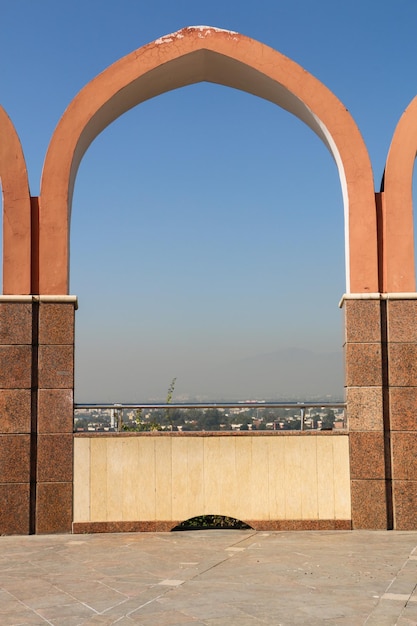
[190,56]
[16,211]
[398,238]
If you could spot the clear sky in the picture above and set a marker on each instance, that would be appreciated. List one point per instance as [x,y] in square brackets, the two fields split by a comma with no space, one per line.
[207,235]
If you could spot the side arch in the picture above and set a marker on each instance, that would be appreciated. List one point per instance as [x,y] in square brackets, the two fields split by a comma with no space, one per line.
[16,211]
[190,56]
[397,209]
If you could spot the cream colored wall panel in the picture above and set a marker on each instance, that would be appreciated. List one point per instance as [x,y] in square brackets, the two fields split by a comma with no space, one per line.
[82,480]
[293,475]
[250,478]
[195,478]
[229,487]
[146,499]
[309,478]
[325,469]
[98,472]
[342,502]
[180,480]
[117,449]
[259,487]
[131,479]
[244,471]
[212,475]
[276,482]
[163,479]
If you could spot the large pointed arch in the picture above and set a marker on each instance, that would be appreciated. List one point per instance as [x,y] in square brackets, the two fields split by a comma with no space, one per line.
[16,211]
[397,216]
[190,56]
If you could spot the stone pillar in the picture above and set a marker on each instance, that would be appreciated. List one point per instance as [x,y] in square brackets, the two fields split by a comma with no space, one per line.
[366,386]
[36,413]
[17,444]
[55,414]
[402,398]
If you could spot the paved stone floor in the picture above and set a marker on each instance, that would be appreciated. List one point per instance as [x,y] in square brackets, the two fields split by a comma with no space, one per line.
[215,577]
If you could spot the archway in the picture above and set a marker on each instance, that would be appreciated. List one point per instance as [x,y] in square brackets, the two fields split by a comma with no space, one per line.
[206,54]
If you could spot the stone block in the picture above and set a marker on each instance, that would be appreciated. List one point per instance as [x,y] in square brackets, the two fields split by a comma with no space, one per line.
[365,409]
[54,508]
[403,408]
[402,364]
[367,455]
[404,455]
[55,411]
[362,321]
[56,367]
[402,321]
[369,504]
[363,365]
[15,367]
[56,323]
[55,458]
[15,458]
[15,509]
[15,323]
[15,410]
[405,504]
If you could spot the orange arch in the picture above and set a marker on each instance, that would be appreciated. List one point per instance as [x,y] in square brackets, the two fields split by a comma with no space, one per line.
[397,216]
[190,56]
[16,211]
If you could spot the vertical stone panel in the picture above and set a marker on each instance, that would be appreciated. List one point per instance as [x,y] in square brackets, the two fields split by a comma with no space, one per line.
[402,366]
[17,447]
[54,504]
[366,382]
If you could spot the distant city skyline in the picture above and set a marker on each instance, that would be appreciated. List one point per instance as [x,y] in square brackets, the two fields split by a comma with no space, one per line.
[207,236]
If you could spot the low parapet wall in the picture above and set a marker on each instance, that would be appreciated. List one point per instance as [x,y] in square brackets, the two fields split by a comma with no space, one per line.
[153,481]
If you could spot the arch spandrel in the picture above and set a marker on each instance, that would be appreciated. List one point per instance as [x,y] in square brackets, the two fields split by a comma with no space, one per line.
[189,56]
[397,223]
[16,211]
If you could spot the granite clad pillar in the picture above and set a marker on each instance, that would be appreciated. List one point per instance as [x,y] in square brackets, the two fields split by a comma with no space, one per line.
[366,388]
[55,415]
[402,367]
[17,445]
[36,413]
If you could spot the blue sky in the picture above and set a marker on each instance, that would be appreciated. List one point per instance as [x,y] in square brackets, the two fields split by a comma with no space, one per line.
[207,235]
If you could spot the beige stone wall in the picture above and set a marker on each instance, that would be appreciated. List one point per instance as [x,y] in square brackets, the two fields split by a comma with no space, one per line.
[156,478]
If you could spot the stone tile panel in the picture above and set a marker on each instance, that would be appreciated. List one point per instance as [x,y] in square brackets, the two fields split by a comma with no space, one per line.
[55,458]
[405,504]
[56,367]
[403,408]
[369,509]
[365,410]
[14,459]
[404,455]
[402,364]
[55,410]
[362,321]
[402,321]
[367,460]
[15,509]
[363,365]
[56,323]
[54,508]
[15,410]
[15,323]
[15,367]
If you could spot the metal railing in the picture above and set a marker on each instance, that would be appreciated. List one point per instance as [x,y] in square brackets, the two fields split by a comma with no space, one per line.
[301,416]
